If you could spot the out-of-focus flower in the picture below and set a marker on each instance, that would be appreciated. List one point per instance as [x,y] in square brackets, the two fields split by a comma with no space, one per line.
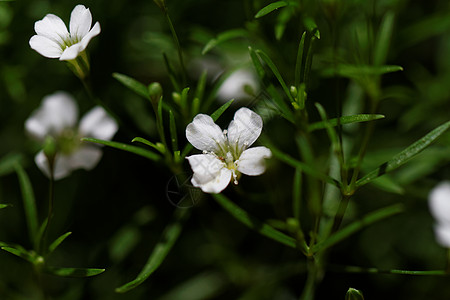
[56,119]
[439,203]
[226,154]
[241,84]
[54,41]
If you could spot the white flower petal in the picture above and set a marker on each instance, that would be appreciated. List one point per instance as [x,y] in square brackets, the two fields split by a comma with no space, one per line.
[83,158]
[52,27]
[45,46]
[87,38]
[204,134]
[57,112]
[71,52]
[245,129]
[233,86]
[439,202]
[210,174]
[442,233]
[80,21]
[98,124]
[252,161]
[41,162]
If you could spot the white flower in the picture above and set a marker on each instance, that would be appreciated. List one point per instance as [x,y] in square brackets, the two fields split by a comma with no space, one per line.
[54,41]
[57,118]
[225,154]
[234,85]
[439,203]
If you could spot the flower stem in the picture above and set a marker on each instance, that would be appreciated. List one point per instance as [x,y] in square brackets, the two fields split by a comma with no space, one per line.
[311,280]
[177,44]
[44,238]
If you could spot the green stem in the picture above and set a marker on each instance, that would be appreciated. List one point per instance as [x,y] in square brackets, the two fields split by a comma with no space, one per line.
[177,44]
[311,280]
[43,242]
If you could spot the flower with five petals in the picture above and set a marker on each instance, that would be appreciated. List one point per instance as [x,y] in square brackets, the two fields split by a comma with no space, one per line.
[226,154]
[53,40]
[56,119]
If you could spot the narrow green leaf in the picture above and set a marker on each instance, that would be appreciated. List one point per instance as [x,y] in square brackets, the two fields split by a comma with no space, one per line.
[133,149]
[355,269]
[253,223]
[304,167]
[184,97]
[223,37]
[270,8]
[73,272]
[215,115]
[257,63]
[171,72]
[173,131]
[345,120]
[275,71]
[356,71]
[4,205]
[157,146]
[161,250]
[17,251]
[58,241]
[132,84]
[354,294]
[299,62]
[405,155]
[383,39]
[218,112]
[8,163]
[29,202]
[358,225]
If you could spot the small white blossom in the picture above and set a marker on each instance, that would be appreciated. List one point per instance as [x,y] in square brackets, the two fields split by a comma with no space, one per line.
[439,203]
[54,41]
[226,153]
[57,117]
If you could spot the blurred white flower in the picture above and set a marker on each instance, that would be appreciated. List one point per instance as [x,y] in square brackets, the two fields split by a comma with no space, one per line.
[225,154]
[57,118]
[236,84]
[439,203]
[54,41]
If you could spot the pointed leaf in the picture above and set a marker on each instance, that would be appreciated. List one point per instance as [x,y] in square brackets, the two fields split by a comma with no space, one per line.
[73,272]
[58,241]
[302,166]
[4,205]
[223,37]
[345,120]
[157,146]
[384,39]
[356,71]
[133,149]
[161,250]
[29,203]
[275,71]
[402,157]
[18,251]
[132,84]
[270,8]
[354,227]
[253,223]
